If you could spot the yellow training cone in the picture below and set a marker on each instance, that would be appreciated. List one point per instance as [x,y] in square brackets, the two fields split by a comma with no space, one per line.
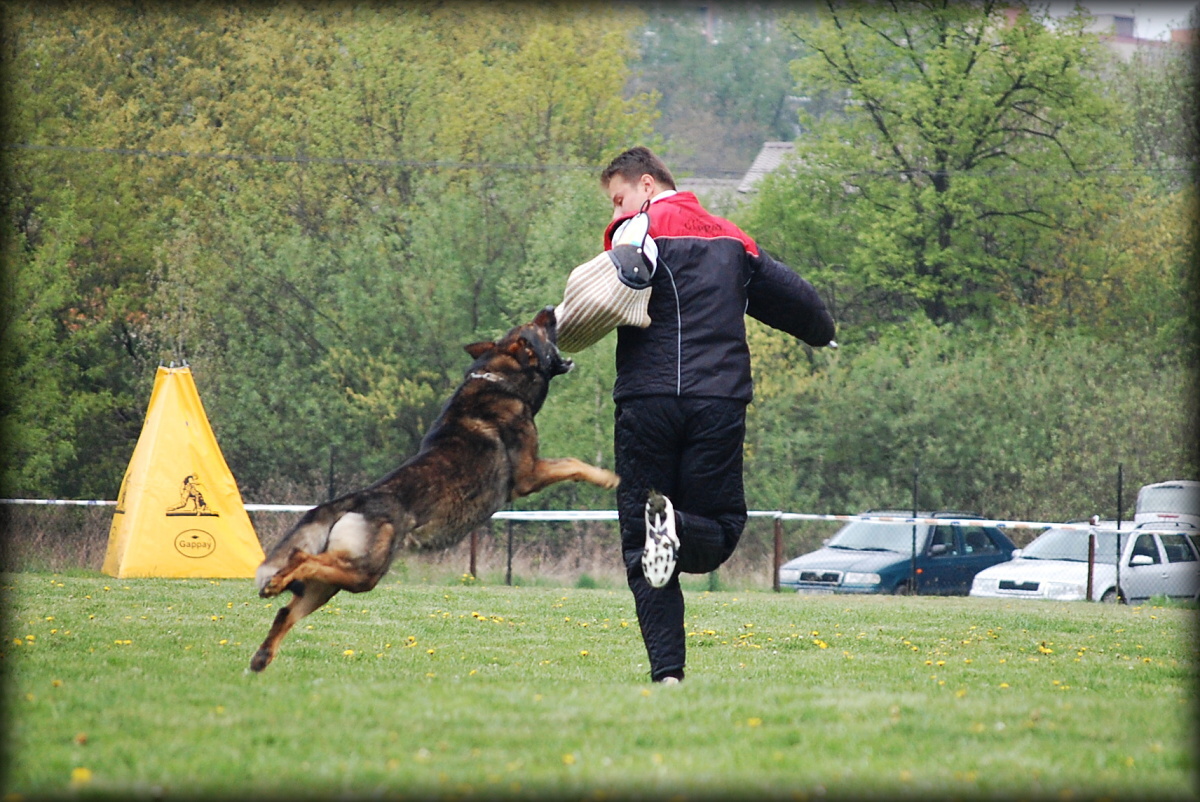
[179,512]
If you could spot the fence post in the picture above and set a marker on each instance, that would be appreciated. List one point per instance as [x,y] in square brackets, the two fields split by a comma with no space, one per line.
[912,567]
[778,552]
[1120,511]
[474,549]
[508,568]
[330,485]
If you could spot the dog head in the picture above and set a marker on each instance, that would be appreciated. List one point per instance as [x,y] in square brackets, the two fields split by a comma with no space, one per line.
[529,349]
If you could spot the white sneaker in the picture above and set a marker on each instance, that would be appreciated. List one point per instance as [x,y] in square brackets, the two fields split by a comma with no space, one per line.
[662,544]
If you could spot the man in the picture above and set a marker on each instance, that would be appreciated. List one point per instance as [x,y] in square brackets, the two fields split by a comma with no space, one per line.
[683,382]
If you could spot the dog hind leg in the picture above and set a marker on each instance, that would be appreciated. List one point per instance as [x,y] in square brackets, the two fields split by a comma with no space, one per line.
[314,596]
[336,568]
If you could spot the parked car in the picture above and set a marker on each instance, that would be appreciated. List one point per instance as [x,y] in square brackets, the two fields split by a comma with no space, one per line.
[870,557]
[1173,500]
[1054,565]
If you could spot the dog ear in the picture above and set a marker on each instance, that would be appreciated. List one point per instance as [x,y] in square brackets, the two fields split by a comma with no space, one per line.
[477,350]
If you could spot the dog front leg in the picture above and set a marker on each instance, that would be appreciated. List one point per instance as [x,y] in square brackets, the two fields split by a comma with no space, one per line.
[315,594]
[544,472]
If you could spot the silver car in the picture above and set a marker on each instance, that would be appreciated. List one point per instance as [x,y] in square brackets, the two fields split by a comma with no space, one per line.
[1163,562]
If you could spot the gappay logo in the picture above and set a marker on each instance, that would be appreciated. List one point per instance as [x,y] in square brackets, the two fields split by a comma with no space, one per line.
[195,543]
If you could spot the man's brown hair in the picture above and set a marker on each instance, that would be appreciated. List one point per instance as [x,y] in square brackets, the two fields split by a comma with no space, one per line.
[633,164]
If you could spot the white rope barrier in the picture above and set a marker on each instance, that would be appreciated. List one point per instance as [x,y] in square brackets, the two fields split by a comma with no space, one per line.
[611,515]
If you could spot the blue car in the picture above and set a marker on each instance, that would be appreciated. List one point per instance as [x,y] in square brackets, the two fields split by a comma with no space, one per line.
[871,557]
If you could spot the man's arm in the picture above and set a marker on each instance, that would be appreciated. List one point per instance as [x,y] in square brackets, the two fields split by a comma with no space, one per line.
[781,298]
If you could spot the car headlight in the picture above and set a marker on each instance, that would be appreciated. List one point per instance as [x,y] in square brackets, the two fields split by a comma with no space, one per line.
[1063,591]
[852,578]
[789,574]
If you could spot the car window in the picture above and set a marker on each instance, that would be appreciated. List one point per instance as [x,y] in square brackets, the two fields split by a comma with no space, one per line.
[1177,548]
[976,541]
[876,536]
[1070,544]
[1144,547]
[943,536]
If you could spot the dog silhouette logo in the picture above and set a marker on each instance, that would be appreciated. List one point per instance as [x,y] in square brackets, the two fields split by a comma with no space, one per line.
[191,499]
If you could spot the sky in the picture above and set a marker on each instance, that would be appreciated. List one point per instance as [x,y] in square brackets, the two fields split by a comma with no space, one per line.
[1152,18]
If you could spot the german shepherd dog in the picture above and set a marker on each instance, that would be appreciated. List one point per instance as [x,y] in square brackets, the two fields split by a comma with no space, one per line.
[480,453]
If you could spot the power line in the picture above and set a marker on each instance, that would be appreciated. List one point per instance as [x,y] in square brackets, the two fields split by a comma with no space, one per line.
[689,171]
[299,159]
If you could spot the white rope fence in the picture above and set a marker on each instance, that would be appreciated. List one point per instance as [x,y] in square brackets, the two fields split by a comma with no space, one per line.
[611,515]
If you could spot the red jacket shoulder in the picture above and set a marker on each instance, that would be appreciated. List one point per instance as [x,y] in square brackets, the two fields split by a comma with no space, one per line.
[681,215]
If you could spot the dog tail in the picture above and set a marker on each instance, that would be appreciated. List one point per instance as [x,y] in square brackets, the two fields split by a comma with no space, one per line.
[310,534]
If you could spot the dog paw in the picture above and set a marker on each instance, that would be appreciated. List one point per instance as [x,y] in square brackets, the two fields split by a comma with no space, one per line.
[260,660]
[609,480]
[277,585]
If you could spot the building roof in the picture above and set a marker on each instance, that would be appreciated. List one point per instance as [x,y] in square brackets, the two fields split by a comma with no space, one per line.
[770,157]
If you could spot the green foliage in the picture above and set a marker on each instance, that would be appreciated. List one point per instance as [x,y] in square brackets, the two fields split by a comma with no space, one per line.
[934,177]
[722,81]
[318,207]
[351,188]
[1158,87]
[1009,424]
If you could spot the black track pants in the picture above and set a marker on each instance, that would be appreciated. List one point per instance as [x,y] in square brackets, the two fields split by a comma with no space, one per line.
[689,449]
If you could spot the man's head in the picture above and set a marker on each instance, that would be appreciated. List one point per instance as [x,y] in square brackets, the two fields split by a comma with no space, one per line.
[633,178]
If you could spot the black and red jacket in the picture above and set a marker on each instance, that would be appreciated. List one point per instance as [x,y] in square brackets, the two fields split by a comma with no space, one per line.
[710,275]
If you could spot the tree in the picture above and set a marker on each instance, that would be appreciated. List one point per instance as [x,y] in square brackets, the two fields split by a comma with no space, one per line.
[722,77]
[968,137]
[1159,87]
[314,206]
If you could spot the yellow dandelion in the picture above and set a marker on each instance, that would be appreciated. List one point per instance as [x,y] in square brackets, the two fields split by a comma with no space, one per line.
[348,653]
[754,721]
[568,759]
[81,776]
[584,653]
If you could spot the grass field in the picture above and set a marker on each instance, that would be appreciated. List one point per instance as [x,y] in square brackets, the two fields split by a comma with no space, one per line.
[138,688]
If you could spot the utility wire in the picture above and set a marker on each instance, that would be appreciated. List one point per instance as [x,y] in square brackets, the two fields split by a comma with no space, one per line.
[689,171]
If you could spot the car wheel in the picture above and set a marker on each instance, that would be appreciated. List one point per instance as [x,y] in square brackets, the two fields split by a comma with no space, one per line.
[1110,597]
[902,590]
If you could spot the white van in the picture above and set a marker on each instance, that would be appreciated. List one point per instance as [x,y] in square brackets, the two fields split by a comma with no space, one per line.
[1176,500]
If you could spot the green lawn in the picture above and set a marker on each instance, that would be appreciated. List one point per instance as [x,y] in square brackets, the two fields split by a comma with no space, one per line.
[139,688]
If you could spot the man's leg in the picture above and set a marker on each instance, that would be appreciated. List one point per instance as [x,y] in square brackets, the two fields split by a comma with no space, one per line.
[709,499]
[653,453]
[646,447]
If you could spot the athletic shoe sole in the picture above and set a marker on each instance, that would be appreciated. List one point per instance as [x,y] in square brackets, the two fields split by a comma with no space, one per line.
[662,544]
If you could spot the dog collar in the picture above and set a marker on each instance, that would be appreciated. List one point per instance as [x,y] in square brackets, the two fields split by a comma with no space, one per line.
[492,377]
